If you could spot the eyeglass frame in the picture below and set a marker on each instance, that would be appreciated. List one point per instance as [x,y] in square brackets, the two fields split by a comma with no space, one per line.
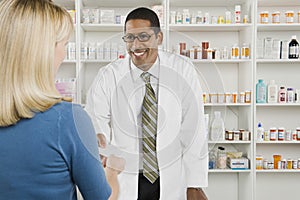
[137,37]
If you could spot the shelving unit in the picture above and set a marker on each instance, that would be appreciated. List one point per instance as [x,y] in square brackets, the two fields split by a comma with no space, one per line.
[279,183]
[216,76]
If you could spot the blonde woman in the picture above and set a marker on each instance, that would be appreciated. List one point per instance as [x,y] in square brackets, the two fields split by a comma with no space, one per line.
[47,145]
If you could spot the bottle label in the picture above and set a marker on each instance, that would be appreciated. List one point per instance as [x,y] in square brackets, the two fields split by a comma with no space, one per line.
[261,94]
[282,97]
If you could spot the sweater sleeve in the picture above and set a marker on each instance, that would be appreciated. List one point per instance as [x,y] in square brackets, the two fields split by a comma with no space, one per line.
[78,144]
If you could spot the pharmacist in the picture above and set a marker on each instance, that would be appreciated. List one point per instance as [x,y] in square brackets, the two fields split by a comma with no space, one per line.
[156,125]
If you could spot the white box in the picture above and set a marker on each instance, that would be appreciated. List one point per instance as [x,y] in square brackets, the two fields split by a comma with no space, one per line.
[238,163]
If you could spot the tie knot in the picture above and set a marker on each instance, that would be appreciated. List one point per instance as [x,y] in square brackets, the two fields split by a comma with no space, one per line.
[146,77]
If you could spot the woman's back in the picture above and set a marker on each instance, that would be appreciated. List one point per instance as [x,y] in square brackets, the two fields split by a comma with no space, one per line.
[42,157]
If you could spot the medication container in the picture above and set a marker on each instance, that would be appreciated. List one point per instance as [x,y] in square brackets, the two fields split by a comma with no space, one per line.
[233,45]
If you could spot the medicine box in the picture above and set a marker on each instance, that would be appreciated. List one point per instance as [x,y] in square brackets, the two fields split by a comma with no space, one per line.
[238,163]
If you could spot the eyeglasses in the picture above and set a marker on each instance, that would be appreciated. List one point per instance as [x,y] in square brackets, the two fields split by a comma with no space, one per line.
[142,37]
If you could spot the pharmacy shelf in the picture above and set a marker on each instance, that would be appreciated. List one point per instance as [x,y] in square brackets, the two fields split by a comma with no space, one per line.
[278,142]
[119,4]
[229,170]
[272,61]
[228,61]
[276,3]
[102,27]
[277,104]
[278,27]
[97,61]
[229,142]
[227,104]
[205,3]
[278,171]
[209,27]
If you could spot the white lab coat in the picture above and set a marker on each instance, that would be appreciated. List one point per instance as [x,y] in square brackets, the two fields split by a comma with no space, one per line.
[181,143]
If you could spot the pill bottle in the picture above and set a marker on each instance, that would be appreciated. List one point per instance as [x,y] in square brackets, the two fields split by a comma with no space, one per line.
[281,133]
[288,135]
[230,135]
[242,97]
[221,97]
[273,134]
[228,17]
[204,97]
[283,164]
[234,97]
[282,95]
[237,14]
[221,20]
[289,16]
[246,19]
[276,17]
[205,46]
[290,95]
[245,51]
[235,52]
[228,97]
[264,17]
[295,164]
[265,164]
[247,96]
[178,18]
[289,164]
[298,133]
[259,162]
[172,17]
[298,16]
[276,159]
[267,135]
[213,98]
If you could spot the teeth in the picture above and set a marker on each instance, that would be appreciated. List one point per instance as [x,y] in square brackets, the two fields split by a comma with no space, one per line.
[139,53]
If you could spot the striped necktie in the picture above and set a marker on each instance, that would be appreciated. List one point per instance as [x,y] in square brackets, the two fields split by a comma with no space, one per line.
[149,129]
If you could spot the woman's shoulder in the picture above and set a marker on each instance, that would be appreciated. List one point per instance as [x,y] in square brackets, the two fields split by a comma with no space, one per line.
[67,109]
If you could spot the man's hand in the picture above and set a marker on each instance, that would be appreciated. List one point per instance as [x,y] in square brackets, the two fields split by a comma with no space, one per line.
[102,144]
[196,194]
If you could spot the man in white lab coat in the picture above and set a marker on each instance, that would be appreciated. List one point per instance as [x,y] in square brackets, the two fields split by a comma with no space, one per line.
[116,105]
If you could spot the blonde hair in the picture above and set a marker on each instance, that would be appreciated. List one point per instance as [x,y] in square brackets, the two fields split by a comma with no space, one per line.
[30,30]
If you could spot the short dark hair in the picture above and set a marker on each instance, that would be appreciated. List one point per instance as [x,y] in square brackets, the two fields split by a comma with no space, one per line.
[145,14]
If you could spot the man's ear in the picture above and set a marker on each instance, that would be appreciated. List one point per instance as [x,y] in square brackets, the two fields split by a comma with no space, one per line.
[159,38]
